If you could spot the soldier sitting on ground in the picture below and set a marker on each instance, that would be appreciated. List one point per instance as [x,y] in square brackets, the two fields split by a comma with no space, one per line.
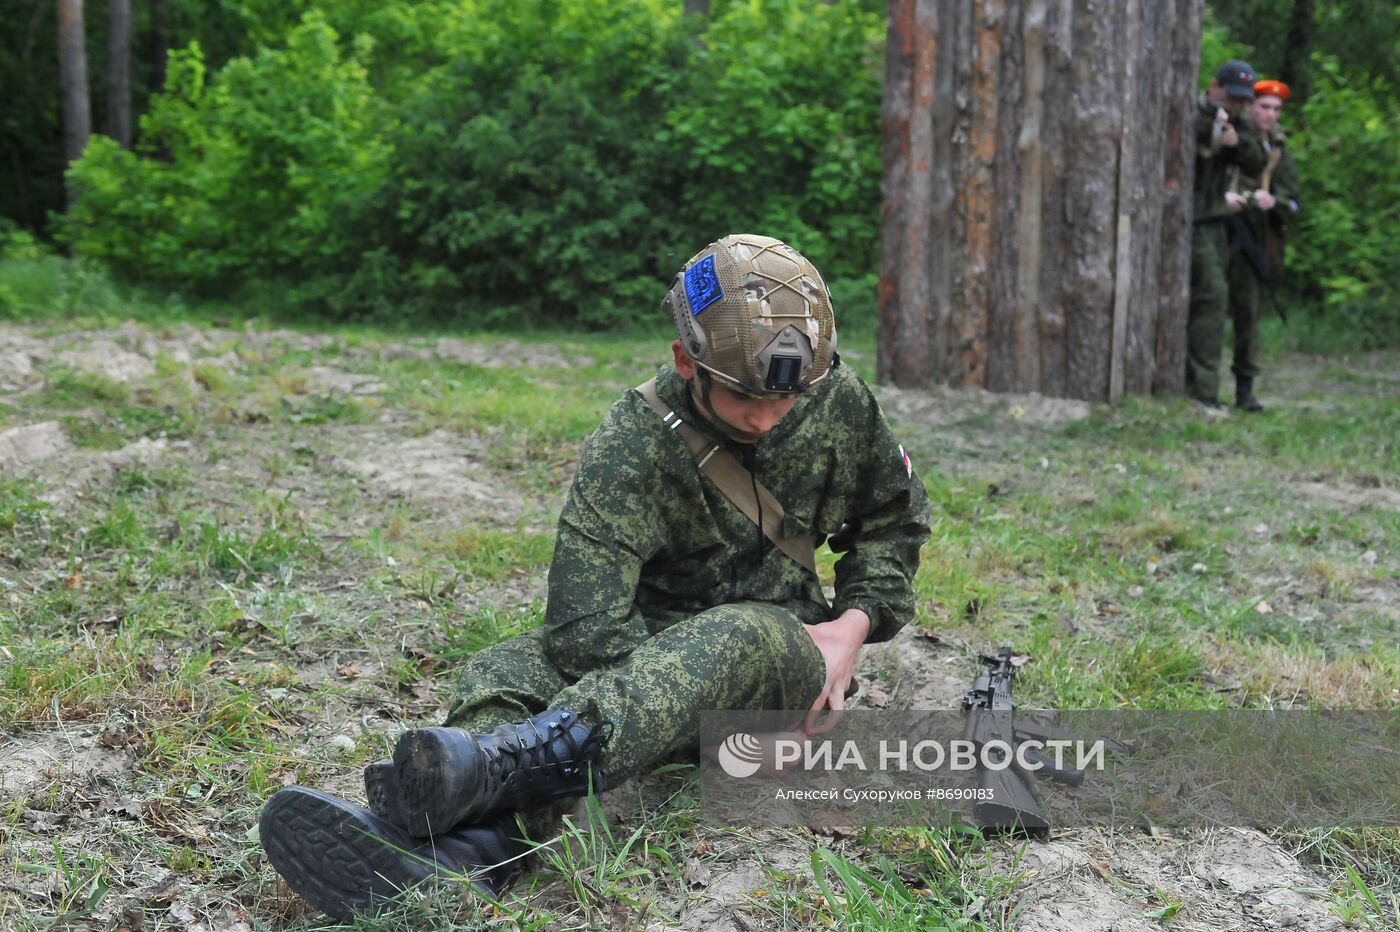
[683,579]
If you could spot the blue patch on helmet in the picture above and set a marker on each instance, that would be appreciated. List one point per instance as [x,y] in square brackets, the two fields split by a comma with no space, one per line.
[702,285]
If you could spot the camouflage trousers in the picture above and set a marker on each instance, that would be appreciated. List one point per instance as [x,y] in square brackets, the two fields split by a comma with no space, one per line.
[1210,296]
[1246,295]
[748,655]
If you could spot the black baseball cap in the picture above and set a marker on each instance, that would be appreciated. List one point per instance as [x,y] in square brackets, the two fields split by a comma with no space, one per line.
[1237,77]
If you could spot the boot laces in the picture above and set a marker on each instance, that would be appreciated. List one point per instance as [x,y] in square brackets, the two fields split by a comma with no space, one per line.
[556,755]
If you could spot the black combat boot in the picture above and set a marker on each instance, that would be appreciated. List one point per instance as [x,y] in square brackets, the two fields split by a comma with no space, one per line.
[1244,396]
[346,861]
[444,777]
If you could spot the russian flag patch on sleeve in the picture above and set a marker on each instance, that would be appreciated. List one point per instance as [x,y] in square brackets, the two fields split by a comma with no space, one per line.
[908,466]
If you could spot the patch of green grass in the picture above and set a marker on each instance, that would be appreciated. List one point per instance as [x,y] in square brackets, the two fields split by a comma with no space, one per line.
[76,681]
[214,379]
[463,636]
[221,548]
[307,410]
[66,388]
[119,529]
[488,553]
[912,878]
[100,413]
[612,877]
[19,504]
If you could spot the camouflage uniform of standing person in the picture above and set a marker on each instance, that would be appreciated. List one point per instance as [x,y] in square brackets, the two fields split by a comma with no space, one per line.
[1221,148]
[682,580]
[1257,239]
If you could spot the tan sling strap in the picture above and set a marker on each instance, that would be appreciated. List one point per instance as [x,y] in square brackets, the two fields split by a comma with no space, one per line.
[1275,154]
[736,482]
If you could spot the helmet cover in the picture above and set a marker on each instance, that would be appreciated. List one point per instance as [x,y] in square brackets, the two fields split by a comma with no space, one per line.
[755,314]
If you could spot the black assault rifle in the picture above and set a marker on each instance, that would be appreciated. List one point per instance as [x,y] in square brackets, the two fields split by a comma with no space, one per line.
[1243,239]
[1012,803]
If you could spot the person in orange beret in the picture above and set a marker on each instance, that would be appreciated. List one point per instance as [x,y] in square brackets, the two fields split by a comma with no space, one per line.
[1267,204]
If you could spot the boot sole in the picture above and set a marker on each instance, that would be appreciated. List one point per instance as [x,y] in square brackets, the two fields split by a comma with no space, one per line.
[334,855]
[432,767]
[381,791]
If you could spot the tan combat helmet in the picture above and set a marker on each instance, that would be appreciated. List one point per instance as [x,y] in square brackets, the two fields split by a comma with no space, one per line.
[756,315]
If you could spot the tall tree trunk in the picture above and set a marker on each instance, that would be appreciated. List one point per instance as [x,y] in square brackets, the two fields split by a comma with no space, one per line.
[160,45]
[1297,49]
[1035,224]
[119,71]
[72,76]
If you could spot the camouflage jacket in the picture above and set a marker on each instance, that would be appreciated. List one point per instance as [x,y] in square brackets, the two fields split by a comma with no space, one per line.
[645,541]
[1215,162]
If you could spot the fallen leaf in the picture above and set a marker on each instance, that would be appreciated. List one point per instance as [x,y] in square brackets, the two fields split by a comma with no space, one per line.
[121,805]
[695,873]
[1264,608]
[43,821]
[163,892]
[877,698]
[74,580]
[835,824]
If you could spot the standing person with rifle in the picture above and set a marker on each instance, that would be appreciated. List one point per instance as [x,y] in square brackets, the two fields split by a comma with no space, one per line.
[683,579]
[1266,205]
[1222,145]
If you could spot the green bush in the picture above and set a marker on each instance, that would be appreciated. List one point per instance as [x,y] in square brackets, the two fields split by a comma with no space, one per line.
[778,130]
[527,185]
[257,174]
[1345,253]
[549,161]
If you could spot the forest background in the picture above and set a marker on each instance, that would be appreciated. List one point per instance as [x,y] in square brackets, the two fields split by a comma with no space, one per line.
[520,163]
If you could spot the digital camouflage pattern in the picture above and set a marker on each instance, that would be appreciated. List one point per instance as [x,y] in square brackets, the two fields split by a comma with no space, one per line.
[749,655]
[665,600]
[1210,290]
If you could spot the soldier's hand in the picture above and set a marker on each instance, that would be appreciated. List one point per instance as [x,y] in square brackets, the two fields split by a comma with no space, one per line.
[839,641]
[1229,136]
[1234,203]
[1264,200]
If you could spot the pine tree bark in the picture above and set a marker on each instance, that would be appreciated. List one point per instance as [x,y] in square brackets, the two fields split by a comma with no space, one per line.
[1297,49]
[72,78]
[119,71]
[160,45]
[1035,223]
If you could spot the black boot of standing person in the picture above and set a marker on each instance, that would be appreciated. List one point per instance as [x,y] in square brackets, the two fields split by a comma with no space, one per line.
[1244,396]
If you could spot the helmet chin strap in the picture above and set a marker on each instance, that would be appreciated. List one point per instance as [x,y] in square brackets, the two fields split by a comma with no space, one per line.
[702,397]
